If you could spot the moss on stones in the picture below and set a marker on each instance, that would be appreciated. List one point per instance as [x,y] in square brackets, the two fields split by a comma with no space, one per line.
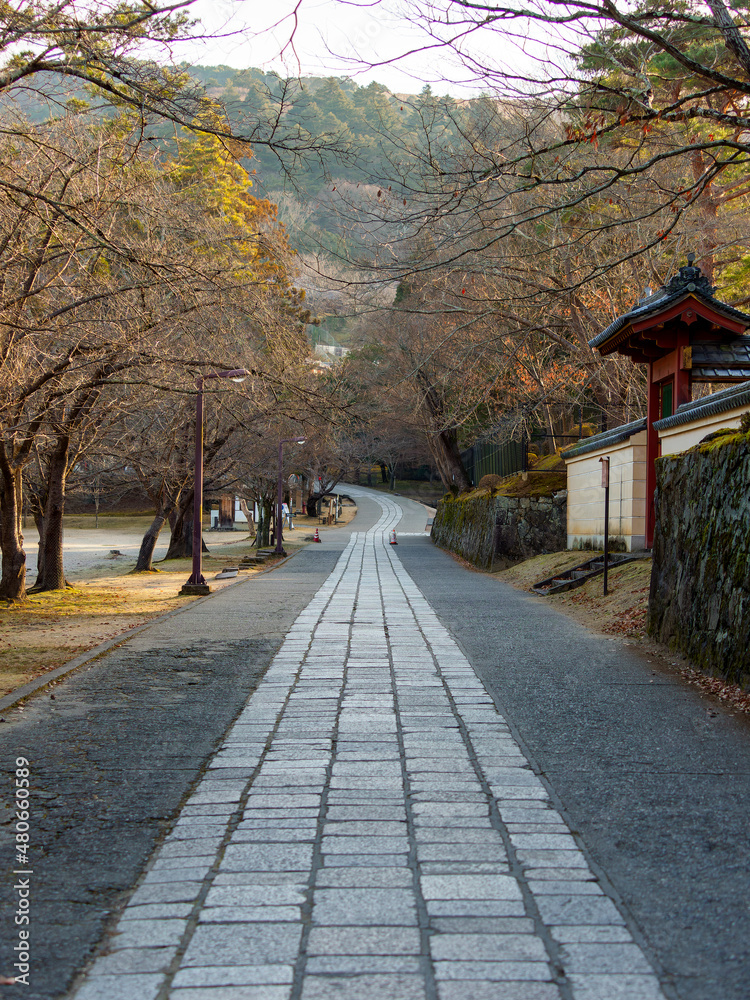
[482,524]
[700,588]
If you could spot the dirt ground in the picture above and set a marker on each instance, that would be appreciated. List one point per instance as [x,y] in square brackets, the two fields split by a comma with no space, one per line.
[621,615]
[106,599]
[622,612]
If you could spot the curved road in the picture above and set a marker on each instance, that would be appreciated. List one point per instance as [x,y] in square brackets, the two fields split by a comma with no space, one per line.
[375,774]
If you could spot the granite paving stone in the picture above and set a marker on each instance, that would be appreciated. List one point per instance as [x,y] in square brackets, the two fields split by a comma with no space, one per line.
[435,887]
[461,852]
[364,987]
[175,874]
[364,906]
[133,961]
[232,993]
[542,858]
[488,947]
[382,878]
[488,990]
[173,892]
[615,987]
[268,833]
[578,910]
[254,895]
[267,857]
[365,859]
[238,975]
[148,933]
[347,964]
[476,907]
[137,987]
[483,925]
[248,914]
[245,944]
[564,887]
[590,932]
[498,971]
[156,911]
[603,958]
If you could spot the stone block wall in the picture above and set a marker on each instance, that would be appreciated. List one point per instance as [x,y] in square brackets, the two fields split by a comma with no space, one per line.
[480,526]
[700,585]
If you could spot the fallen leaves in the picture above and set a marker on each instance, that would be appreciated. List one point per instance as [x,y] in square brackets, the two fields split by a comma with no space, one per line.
[731,695]
[631,622]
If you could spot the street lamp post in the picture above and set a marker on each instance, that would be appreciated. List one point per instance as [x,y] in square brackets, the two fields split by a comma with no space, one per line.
[196,584]
[280,494]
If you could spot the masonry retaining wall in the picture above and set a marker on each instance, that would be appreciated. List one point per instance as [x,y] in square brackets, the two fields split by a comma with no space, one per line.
[480,526]
[700,585]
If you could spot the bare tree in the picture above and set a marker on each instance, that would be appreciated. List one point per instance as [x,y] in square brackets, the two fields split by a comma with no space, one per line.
[644,105]
[114,275]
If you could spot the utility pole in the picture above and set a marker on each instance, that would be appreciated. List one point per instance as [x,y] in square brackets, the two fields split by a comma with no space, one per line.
[605,484]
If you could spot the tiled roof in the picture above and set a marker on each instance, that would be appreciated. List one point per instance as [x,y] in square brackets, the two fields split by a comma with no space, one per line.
[688,281]
[705,374]
[719,402]
[604,440]
[736,353]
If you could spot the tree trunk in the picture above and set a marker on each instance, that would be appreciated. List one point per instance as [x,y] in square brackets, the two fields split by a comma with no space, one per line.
[261,528]
[262,535]
[37,503]
[13,580]
[551,426]
[181,540]
[51,575]
[146,554]
[443,444]
[450,466]
[708,239]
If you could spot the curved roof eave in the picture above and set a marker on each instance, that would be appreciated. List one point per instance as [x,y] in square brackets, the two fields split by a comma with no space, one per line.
[688,281]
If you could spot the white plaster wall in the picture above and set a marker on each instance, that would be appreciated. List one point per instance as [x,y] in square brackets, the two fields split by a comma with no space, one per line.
[627,495]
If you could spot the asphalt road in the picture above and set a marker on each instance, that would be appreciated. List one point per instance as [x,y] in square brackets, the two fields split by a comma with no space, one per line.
[118,750]
[654,779]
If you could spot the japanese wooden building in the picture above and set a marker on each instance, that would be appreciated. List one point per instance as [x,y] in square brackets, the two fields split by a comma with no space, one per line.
[685,335]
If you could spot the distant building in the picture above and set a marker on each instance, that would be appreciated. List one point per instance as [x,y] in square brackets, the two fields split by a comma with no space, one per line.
[686,336]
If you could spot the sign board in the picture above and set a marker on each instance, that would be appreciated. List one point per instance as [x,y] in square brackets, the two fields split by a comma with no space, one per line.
[605,473]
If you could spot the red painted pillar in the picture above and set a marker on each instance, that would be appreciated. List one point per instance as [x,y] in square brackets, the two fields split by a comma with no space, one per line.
[682,385]
[652,453]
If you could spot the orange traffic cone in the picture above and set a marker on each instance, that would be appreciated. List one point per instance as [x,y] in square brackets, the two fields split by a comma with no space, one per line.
[393,537]
[317,536]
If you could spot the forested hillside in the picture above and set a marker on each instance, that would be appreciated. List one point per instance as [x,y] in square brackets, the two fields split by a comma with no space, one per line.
[375,134]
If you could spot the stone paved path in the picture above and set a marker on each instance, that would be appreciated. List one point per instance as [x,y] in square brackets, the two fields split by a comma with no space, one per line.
[370,830]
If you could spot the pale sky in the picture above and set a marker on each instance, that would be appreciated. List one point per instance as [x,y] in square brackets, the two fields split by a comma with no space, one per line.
[330,38]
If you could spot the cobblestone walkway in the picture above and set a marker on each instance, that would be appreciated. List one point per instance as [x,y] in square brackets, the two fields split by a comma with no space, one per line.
[370,830]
